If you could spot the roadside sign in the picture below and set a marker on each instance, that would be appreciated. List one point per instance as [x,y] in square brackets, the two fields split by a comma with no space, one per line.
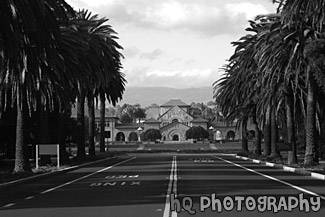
[48,149]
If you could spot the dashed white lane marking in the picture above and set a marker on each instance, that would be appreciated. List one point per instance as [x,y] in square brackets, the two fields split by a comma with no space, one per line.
[274,179]
[28,198]
[86,176]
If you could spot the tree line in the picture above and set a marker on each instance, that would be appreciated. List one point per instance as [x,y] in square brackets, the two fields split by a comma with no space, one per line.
[51,55]
[276,78]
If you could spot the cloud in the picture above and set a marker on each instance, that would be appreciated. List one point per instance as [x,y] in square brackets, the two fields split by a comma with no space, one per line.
[246,9]
[174,78]
[131,52]
[210,18]
[204,17]
[134,52]
[152,55]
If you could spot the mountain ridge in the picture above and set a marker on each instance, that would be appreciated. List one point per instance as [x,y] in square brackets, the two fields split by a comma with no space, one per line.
[146,96]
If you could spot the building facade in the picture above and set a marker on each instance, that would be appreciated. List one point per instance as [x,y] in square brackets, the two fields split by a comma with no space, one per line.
[172,119]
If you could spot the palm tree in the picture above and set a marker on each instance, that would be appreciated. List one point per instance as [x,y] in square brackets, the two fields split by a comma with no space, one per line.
[307,18]
[103,68]
[29,32]
[264,85]
[239,91]
[278,67]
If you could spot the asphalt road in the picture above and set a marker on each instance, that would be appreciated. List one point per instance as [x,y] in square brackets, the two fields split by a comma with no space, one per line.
[149,185]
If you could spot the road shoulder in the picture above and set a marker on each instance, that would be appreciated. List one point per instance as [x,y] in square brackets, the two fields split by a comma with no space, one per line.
[285,168]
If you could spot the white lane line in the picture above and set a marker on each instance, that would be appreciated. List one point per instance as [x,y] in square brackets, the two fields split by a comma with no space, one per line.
[175,177]
[171,189]
[174,213]
[86,176]
[28,198]
[274,179]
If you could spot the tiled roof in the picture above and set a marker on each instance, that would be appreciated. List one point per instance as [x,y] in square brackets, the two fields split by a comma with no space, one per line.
[174,102]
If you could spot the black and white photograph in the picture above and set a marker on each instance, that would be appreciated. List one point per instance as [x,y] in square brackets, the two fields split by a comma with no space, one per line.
[162,108]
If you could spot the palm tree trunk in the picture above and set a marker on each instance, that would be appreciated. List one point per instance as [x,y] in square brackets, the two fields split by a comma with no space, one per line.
[267,132]
[81,153]
[258,138]
[102,122]
[322,127]
[91,111]
[322,138]
[22,164]
[62,135]
[274,132]
[311,154]
[44,129]
[244,141]
[291,135]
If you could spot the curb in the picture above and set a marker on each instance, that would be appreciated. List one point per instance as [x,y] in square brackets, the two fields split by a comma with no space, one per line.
[285,168]
[43,175]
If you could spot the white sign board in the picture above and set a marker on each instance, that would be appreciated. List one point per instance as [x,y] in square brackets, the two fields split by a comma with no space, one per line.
[48,149]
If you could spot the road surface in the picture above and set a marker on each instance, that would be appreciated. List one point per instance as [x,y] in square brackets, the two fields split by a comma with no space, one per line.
[150,185]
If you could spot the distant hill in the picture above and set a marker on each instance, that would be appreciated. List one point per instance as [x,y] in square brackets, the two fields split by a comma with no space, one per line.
[146,96]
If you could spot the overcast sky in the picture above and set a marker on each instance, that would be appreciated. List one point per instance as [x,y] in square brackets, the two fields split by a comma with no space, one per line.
[176,43]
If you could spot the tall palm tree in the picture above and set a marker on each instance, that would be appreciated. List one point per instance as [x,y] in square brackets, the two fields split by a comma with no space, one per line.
[239,91]
[307,17]
[29,32]
[278,65]
[103,67]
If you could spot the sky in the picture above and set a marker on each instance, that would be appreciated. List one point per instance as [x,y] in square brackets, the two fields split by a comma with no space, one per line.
[176,43]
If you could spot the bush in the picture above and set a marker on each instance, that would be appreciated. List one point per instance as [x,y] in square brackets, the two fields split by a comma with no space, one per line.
[198,133]
[151,135]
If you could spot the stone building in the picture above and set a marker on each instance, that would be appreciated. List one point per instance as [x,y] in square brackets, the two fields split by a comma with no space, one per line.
[171,118]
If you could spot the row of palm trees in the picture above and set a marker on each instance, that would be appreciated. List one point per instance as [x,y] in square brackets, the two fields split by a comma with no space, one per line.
[49,56]
[276,78]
